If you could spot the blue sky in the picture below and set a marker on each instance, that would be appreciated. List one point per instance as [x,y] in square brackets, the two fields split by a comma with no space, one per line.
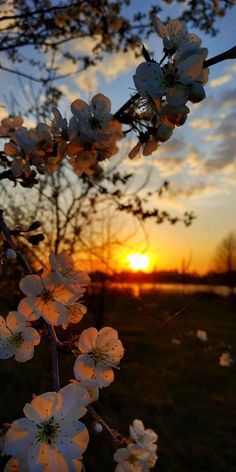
[199,160]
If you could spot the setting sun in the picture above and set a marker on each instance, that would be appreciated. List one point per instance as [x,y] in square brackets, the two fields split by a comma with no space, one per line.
[138,261]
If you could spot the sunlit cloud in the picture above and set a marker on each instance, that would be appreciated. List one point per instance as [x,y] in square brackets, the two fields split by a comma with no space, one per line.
[224,79]
[87,81]
[68,93]
[194,156]
[226,100]
[3,112]
[106,70]
[169,166]
[109,69]
[117,64]
[202,124]
[194,190]
[232,68]
[7,8]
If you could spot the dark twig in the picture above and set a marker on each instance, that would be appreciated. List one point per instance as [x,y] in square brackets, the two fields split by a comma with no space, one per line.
[54,340]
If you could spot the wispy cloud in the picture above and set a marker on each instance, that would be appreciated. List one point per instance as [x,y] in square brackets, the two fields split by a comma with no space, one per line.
[202,124]
[224,79]
[194,190]
[108,70]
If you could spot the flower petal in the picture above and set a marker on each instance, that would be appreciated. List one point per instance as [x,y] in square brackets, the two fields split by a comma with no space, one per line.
[80,109]
[72,440]
[101,107]
[54,313]
[24,352]
[177,95]
[31,335]
[15,321]
[31,285]
[104,376]
[84,367]
[43,457]
[74,396]
[27,308]
[87,340]
[149,79]
[42,407]
[18,437]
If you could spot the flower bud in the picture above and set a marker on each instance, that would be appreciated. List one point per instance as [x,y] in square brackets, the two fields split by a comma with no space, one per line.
[176,114]
[196,93]
[11,254]
[163,133]
[98,428]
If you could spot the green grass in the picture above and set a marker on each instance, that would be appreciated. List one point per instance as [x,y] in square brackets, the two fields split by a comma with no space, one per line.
[179,391]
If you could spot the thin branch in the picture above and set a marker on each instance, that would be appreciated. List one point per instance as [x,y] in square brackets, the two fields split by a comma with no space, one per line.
[40,11]
[229,54]
[98,418]
[54,340]
[21,74]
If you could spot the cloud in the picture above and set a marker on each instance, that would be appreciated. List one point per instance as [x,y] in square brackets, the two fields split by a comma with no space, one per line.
[194,157]
[174,145]
[69,94]
[7,8]
[220,163]
[227,100]
[224,79]
[232,68]
[111,67]
[169,166]
[202,124]
[3,112]
[194,190]
[211,138]
[88,81]
[108,70]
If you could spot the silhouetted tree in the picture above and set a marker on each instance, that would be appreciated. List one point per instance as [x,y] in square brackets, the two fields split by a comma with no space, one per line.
[225,259]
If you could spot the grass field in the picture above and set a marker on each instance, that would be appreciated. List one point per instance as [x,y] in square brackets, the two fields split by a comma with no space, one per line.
[180,391]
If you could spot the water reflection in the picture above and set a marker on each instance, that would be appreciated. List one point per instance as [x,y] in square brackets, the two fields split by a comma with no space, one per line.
[138,288]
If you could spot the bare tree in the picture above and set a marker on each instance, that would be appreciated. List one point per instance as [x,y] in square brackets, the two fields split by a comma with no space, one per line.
[225,259]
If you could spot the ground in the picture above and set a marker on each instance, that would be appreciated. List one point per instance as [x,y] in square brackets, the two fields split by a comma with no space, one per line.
[180,391]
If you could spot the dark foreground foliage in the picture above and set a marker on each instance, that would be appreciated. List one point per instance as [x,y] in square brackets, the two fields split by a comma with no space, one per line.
[178,390]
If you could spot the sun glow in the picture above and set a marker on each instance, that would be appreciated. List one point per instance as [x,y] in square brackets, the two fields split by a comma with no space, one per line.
[138,261]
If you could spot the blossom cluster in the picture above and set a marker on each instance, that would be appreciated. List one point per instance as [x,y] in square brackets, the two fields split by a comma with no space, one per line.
[89,137]
[51,437]
[166,87]
[140,453]
[55,296]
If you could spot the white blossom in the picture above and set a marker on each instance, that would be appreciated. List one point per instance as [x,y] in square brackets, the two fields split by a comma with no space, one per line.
[46,296]
[16,338]
[51,437]
[95,121]
[202,335]
[140,454]
[226,359]
[76,312]
[176,37]
[134,459]
[63,266]
[145,438]
[100,352]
